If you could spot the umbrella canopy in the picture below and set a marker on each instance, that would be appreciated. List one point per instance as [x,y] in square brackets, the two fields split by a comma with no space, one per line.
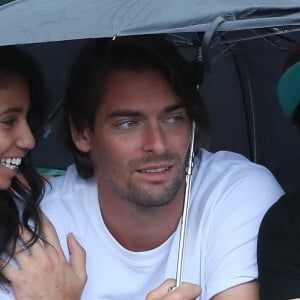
[244,45]
[34,21]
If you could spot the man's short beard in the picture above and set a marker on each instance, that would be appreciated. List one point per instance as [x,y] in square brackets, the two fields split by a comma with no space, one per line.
[155,195]
[159,195]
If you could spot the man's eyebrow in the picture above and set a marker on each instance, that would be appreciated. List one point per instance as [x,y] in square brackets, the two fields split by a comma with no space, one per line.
[135,113]
[173,108]
[124,113]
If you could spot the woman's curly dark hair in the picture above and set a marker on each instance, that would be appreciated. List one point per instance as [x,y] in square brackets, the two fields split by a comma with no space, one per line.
[19,204]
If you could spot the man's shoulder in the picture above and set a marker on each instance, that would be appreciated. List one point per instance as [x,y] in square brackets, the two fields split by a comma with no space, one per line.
[226,163]
[66,185]
[69,197]
[229,177]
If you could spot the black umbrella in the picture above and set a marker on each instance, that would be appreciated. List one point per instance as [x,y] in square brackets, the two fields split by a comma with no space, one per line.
[240,45]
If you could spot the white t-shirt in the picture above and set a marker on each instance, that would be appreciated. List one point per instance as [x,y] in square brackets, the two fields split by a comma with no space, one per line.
[229,197]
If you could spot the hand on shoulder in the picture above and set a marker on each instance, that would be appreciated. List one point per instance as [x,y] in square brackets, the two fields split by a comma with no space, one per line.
[44,272]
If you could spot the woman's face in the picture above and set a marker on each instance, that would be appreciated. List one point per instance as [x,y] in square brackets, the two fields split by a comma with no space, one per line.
[15,135]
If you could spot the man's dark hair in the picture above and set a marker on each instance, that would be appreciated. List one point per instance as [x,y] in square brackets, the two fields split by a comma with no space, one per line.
[137,53]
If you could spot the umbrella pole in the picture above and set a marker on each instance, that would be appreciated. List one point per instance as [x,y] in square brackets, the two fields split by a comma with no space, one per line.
[184,218]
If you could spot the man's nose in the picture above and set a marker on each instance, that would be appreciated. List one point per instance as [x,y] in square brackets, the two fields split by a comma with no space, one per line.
[154,139]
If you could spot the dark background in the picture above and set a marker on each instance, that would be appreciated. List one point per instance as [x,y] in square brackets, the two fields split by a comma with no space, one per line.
[239,90]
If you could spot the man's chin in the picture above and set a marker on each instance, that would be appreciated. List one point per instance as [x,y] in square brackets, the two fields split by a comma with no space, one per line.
[152,197]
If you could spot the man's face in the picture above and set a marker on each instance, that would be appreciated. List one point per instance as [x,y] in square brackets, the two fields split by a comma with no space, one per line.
[140,140]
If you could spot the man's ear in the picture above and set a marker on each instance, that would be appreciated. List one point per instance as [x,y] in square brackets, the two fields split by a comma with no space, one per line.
[81,139]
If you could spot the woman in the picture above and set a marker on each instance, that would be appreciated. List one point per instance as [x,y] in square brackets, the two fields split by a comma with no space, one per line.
[21,98]
[29,266]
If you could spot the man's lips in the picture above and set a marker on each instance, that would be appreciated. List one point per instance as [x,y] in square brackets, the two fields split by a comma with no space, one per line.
[157,173]
[155,168]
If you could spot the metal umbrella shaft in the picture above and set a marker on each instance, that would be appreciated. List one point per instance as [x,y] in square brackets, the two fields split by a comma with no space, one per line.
[184,218]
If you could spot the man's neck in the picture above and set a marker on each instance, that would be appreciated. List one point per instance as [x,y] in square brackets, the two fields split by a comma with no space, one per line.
[139,228]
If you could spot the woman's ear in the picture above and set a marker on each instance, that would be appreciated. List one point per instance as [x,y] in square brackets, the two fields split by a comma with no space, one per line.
[81,139]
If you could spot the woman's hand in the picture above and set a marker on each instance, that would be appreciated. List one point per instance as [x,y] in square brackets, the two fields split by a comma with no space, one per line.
[44,272]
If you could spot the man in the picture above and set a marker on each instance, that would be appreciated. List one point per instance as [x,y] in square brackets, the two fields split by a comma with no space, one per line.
[129,109]
[279,235]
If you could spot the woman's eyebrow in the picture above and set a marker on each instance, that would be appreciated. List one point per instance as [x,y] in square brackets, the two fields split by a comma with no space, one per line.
[11,110]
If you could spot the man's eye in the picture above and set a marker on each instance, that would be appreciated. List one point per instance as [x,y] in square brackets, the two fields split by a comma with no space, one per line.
[126,125]
[175,119]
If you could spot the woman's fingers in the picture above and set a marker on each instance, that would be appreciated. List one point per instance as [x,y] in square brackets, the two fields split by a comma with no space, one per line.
[49,234]
[77,258]
[42,271]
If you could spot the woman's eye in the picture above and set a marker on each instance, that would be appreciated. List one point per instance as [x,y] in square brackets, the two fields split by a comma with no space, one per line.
[9,122]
